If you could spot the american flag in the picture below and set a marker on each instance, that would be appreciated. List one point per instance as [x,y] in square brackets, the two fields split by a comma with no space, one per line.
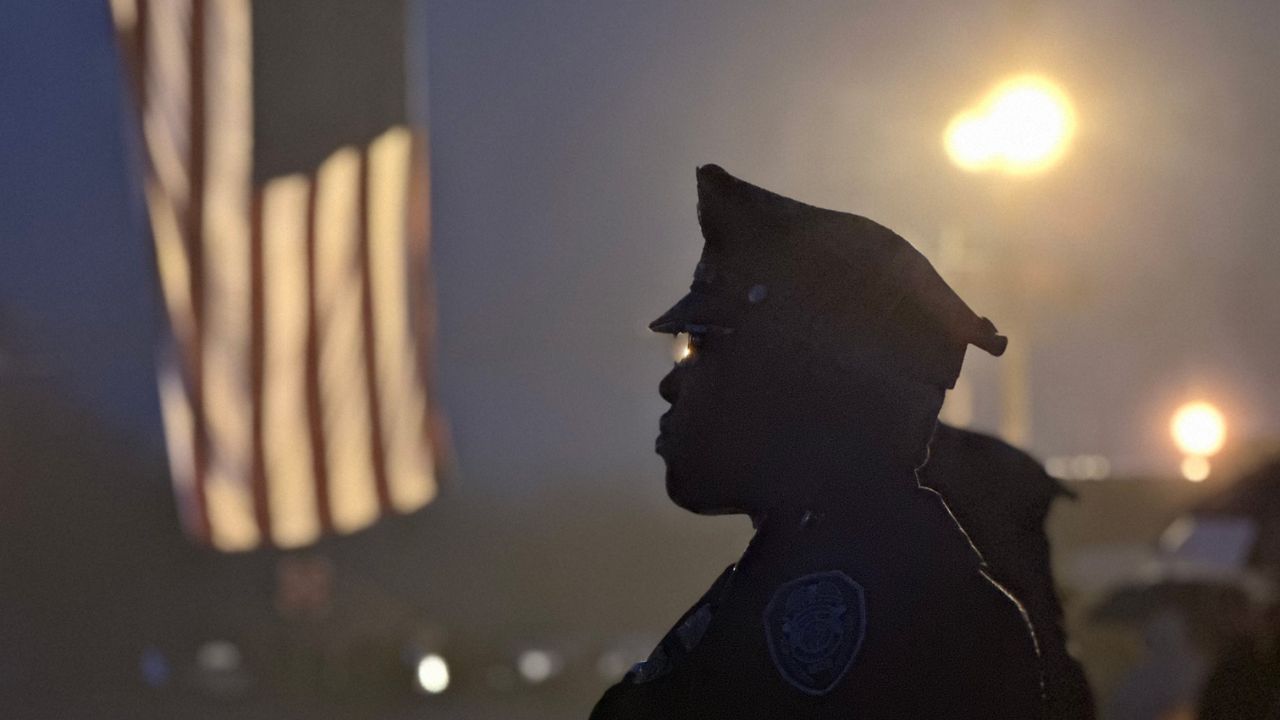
[288,198]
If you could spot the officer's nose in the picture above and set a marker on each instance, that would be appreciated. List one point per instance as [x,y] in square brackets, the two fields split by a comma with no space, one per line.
[669,388]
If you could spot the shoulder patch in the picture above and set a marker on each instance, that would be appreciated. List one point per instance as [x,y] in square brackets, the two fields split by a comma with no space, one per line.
[815,625]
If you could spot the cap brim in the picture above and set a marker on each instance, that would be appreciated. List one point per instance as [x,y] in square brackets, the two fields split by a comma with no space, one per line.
[695,308]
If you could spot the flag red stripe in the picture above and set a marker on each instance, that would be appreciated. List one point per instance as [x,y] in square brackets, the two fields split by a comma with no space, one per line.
[194,237]
[376,446]
[132,44]
[257,370]
[315,409]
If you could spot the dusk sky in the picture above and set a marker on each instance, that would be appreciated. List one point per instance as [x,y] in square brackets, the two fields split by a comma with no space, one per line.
[564,139]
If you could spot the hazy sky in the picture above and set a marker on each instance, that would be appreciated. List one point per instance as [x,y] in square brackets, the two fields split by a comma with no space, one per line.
[566,134]
[564,139]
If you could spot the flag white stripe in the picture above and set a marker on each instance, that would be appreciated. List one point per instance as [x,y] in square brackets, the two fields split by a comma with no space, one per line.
[353,499]
[225,341]
[172,264]
[167,117]
[400,392]
[179,432]
[175,285]
[165,126]
[124,13]
[295,519]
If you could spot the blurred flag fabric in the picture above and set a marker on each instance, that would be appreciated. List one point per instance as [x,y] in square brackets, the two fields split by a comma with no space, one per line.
[287,191]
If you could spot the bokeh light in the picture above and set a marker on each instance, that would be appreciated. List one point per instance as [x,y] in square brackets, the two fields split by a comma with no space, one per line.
[537,666]
[1199,429]
[218,656]
[433,674]
[1195,468]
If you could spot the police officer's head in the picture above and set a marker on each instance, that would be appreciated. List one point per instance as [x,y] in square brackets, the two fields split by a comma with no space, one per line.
[821,343]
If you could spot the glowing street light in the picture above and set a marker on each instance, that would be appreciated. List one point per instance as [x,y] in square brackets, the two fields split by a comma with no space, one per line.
[1023,126]
[1200,430]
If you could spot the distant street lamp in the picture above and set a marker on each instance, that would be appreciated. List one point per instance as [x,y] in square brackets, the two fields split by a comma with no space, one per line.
[1199,430]
[1022,127]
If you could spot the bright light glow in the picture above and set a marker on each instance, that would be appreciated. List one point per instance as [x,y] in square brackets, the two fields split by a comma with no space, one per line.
[1022,126]
[1195,468]
[536,666]
[682,348]
[1199,429]
[433,674]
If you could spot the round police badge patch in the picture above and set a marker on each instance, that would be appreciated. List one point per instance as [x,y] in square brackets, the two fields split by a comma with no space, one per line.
[815,625]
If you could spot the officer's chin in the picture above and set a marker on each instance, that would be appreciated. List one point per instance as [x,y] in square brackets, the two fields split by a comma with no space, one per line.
[691,496]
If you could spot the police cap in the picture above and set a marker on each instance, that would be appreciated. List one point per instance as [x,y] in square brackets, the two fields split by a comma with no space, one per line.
[849,289]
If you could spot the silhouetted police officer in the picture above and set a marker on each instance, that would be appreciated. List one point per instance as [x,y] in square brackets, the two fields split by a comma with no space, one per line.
[821,345]
[1001,497]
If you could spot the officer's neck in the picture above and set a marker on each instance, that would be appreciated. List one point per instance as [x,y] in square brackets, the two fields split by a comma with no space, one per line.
[856,496]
